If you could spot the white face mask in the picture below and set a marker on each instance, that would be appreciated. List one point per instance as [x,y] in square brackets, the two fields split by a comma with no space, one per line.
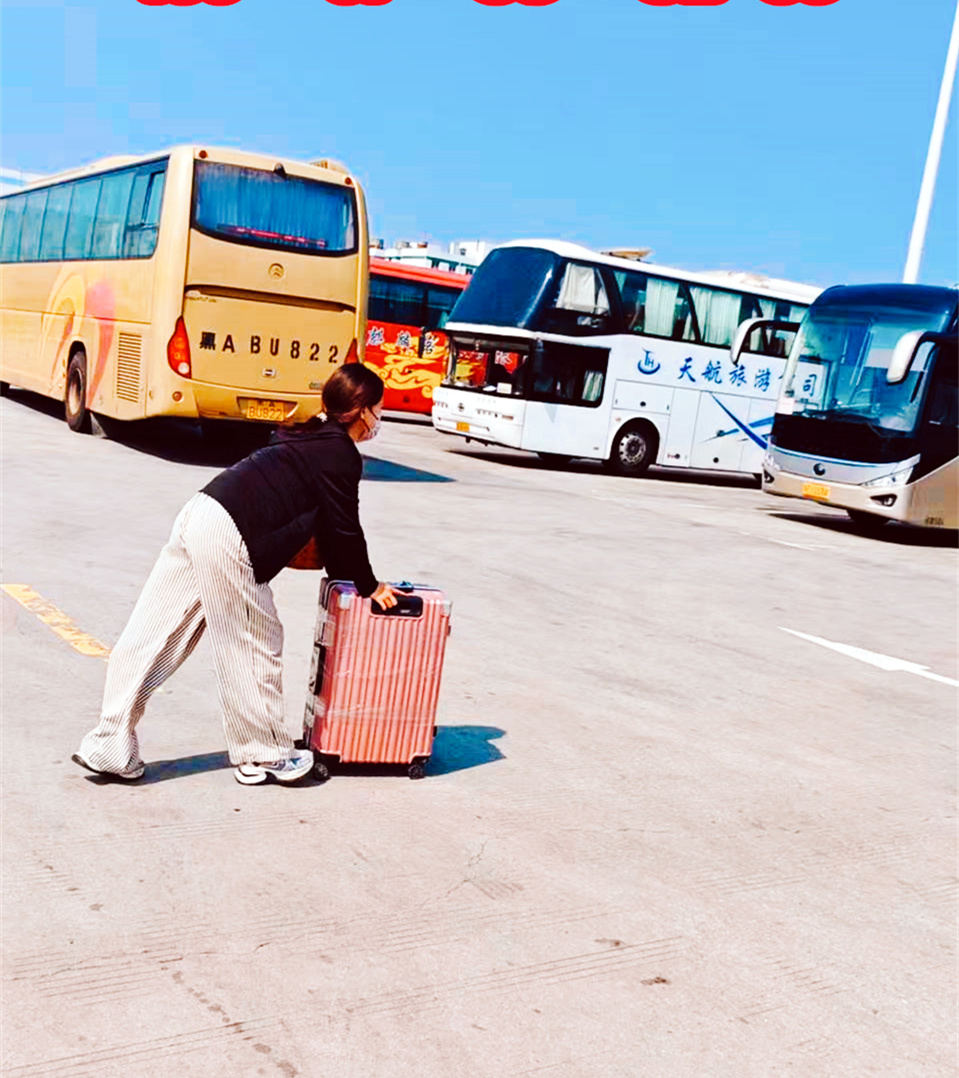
[371,432]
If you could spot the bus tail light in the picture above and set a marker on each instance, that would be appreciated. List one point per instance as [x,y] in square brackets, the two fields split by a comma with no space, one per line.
[178,350]
[352,354]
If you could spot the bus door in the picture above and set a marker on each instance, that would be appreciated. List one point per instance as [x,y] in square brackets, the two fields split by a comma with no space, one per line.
[564,386]
[677,446]
[723,438]
[937,502]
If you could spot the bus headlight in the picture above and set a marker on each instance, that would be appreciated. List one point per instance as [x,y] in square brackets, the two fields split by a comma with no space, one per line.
[894,479]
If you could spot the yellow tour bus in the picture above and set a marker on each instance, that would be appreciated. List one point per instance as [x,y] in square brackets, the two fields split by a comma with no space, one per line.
[197,282]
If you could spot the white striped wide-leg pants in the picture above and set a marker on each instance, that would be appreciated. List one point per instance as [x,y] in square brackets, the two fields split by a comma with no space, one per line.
[202,579]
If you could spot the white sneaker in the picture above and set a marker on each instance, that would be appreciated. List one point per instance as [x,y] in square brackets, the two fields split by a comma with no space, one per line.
[298,766]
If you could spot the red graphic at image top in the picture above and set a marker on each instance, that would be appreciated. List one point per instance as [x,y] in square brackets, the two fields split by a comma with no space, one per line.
[718,3]
[188,3]
[504,3]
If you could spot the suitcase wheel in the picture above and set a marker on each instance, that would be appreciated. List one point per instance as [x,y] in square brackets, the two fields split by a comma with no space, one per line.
[320,771]
[417,769]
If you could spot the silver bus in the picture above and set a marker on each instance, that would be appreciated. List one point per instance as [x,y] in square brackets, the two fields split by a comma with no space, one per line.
[868,417]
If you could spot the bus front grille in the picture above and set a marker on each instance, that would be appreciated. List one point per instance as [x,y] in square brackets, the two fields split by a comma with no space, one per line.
[128,366]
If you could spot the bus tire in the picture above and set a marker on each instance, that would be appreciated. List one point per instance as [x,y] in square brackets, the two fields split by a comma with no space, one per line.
[867,522]
[634,449]
[555,460]
[75,396]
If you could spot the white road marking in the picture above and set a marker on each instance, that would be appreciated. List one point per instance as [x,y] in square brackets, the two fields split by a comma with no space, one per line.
[884,662]
[803,546]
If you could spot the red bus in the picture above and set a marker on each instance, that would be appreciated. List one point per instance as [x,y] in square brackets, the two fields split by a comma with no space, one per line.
[405,345]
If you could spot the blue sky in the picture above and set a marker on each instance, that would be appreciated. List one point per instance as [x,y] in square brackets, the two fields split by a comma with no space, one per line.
[787,140]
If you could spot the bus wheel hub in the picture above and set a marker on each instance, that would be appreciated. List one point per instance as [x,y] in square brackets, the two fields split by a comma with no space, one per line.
[632,449]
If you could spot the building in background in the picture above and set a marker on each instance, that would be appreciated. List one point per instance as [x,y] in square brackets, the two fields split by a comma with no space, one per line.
[12,179]
[462,256]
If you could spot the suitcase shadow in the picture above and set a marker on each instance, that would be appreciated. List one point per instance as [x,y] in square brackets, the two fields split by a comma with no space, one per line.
[455,748]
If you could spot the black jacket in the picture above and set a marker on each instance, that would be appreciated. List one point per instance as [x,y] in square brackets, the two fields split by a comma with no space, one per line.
[304,484]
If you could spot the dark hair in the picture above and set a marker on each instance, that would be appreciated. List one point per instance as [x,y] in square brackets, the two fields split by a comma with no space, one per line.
[349,390]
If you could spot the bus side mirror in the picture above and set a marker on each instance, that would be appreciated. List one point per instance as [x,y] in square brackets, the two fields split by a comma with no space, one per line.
[747,328]
[904,354]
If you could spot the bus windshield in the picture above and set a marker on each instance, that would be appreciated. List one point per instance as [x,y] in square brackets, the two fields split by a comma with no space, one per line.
[274,210]
[836,400]
[838,371]
[507,288]
[532,289]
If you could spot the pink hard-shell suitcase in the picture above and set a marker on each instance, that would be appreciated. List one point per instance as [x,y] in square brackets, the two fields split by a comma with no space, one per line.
[375,677]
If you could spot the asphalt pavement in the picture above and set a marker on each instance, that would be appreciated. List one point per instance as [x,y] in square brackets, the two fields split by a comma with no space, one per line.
[691,811]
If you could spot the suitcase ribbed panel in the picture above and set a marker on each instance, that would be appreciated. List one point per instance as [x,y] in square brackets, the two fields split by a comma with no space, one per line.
[381,680]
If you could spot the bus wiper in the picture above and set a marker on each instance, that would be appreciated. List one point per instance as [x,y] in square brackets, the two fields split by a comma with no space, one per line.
[885,433]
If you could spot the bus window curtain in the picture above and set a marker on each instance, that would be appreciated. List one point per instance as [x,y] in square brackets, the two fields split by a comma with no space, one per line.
[285,208]
[582,290]
[718,313]
[661,296]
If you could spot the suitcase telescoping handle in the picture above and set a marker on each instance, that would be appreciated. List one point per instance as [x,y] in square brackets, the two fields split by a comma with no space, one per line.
[407,606]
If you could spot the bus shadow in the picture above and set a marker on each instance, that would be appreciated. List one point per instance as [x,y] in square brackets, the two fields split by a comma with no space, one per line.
[182,441]
[42,405]
[894,533]
[410,419]
[688,476]
[386,471]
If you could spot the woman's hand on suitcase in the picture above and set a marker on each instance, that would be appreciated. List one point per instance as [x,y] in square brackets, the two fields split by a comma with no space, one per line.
[385,596]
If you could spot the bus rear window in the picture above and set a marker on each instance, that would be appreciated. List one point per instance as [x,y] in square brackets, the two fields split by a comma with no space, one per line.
[269,209]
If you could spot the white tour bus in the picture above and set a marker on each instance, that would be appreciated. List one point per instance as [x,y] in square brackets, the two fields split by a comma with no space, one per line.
[868,420]
[569,353]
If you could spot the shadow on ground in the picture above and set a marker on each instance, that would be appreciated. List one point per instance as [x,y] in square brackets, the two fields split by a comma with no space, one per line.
[893,533]
[161,770]
[184,441]
[41,405]
[455,748]
[516,459]
[385,471]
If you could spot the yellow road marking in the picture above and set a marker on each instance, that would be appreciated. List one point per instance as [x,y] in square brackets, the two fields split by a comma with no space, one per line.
[56,620]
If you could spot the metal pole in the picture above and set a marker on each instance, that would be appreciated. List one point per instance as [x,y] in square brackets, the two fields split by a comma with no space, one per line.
[917,242]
